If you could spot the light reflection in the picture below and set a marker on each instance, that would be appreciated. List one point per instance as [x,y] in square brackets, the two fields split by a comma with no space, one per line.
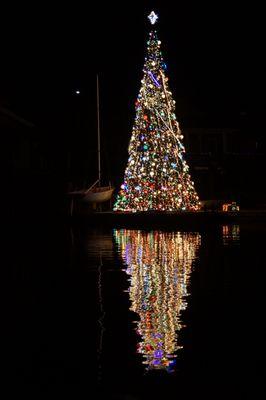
[159,266]
[231,234]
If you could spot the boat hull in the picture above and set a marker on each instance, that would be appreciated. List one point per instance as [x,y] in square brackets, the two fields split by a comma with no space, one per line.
[98,195]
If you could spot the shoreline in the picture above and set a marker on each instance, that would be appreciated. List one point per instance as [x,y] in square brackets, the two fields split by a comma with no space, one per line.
[184,219]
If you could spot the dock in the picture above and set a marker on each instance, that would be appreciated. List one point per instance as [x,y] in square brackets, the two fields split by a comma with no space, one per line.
[174,220]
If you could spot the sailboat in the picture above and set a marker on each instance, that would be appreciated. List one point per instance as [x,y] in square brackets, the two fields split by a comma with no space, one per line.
[95,193]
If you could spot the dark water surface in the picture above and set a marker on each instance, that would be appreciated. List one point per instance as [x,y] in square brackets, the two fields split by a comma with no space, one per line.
[135,314]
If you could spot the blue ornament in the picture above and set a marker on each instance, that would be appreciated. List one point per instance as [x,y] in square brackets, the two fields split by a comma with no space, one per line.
[158,353]
[157,335]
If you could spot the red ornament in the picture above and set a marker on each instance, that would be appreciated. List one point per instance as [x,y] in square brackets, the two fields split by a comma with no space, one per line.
[148,347]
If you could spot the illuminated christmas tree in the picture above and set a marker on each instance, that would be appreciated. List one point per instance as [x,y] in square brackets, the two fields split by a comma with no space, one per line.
[159,266]
[157,175]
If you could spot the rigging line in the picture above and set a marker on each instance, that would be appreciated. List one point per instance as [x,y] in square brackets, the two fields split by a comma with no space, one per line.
[171,130]
[168,128]
[167,100]
[168,113]
[164,122]
[166,97]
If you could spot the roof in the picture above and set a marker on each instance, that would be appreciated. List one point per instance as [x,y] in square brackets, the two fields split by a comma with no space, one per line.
[16,117]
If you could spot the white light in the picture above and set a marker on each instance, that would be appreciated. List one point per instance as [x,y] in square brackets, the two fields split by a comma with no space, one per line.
[77,92]
[153,17]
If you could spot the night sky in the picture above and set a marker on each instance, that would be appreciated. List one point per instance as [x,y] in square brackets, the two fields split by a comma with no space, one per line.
[213,52]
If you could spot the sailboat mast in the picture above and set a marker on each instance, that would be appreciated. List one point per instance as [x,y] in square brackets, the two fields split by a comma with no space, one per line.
[98,129]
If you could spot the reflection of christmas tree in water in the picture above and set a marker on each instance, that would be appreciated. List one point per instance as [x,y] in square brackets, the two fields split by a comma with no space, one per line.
[159,265]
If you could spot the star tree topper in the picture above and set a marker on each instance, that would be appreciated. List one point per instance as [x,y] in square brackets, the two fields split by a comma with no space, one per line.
[153,17]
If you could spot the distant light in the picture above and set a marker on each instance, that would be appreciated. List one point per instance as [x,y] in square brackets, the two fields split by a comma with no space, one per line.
[77,91]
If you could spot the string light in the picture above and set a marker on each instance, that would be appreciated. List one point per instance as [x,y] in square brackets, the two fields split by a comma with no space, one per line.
[156,151]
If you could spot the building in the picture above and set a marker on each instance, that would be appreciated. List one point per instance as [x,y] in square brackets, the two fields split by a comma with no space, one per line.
[226,163]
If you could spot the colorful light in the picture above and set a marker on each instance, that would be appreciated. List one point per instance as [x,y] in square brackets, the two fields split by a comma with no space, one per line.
[156,151]
[159,266]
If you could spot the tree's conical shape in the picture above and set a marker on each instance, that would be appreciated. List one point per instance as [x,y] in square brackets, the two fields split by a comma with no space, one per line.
[157,175]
